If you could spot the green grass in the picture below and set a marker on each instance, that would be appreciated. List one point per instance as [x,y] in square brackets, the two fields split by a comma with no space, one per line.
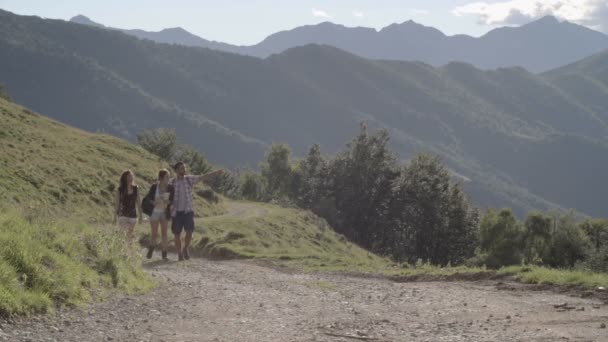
[292,237]
[44,265]
[542,275]
[52,169]
[436,271]
[526,274]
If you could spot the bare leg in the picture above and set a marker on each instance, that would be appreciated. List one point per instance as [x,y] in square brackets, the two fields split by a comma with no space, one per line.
[178,245]
[128,230]
[154,235]
[131,233]
[163,233]
[186,252]
[188,240]
[153,239]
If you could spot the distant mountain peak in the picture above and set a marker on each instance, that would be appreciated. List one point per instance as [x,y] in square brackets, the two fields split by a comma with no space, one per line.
[328,23]
[84,20]
[550,19]
[80,17]
[411,27]
[175,29]
[546,21]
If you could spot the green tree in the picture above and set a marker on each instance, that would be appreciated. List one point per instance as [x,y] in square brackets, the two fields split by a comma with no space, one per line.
[597,259]
[361,185]
[161,142]
[569,244]
[310,176]
[227,183]
[597,232]
[500,238]
[463,227]
[537,237]
[437,223]
[277,171]
[195,160]
[252,186]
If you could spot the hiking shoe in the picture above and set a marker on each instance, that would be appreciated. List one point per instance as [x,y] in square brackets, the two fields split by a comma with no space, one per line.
[150,252]
[165,256]
[186,254]
[180,257]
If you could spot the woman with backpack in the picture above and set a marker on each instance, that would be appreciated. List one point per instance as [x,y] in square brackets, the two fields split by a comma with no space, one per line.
[159,201]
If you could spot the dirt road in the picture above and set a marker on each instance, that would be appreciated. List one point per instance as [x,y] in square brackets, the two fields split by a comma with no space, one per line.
[201,300]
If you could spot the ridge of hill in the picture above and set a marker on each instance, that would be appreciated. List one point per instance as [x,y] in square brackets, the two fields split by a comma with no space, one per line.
[538,46]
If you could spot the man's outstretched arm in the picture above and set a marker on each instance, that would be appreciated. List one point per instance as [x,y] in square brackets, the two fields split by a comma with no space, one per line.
[206,177]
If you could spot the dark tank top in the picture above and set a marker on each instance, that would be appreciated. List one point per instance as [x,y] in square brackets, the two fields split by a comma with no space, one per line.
[127,203]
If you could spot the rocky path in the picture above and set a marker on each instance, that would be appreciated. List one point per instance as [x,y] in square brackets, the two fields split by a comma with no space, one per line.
[200,300]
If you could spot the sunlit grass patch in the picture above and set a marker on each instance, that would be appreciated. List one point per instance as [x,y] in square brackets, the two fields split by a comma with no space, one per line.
[43,265]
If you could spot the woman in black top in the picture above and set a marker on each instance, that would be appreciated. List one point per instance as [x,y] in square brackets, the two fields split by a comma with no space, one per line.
[127,205]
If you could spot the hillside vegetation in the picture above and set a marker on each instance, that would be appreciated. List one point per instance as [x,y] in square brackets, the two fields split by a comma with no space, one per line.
[295,237]
[52,170]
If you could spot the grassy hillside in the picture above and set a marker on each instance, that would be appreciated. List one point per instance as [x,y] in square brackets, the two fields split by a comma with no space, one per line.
[298,238]
[44,265]
[53,170]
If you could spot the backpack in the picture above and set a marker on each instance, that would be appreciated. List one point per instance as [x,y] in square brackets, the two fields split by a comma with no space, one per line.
[147,204]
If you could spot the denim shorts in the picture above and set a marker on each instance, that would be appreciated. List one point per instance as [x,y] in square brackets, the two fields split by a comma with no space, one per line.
[157,216]
[182,221]
[127,221]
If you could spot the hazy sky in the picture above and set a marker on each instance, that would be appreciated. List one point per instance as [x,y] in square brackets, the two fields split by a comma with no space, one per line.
[250,21]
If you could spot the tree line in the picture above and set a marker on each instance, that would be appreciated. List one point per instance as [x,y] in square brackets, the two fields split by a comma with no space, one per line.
[408,211]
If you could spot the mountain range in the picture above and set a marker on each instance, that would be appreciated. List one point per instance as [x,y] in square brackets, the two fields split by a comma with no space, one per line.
[538,46]
[515,138]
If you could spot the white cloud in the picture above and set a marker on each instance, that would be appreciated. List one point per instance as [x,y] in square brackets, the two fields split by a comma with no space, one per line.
[592,13]
[320,13]
[358,14]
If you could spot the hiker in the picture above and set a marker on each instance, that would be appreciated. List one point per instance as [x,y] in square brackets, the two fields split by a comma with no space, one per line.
[161,196]
[182,212]
[127,205]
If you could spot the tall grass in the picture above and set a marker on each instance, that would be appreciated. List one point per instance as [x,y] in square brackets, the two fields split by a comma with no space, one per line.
[46,264]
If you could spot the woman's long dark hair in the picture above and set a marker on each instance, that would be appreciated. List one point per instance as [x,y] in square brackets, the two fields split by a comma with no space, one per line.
[123,187]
